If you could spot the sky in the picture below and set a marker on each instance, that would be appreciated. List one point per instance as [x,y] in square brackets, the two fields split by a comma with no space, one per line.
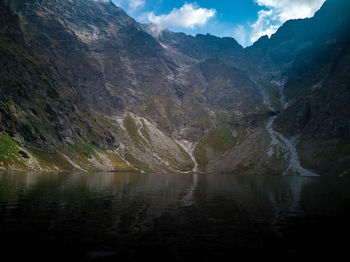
[245,20]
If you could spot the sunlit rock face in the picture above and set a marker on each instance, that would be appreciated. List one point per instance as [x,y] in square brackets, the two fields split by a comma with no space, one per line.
[85,86]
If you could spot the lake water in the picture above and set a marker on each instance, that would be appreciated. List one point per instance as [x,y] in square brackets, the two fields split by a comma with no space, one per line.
[173,217]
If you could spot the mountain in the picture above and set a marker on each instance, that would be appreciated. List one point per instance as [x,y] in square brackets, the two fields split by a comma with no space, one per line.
[84,86]
[315,76]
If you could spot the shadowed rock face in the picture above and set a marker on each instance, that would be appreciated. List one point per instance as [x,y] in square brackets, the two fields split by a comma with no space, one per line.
[317,85]
[86,85]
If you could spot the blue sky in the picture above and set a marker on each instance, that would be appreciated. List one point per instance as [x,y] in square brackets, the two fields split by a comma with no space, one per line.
[245,20]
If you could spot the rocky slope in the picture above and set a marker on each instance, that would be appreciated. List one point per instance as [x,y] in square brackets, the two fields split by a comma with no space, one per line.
[315,77]
[83,86]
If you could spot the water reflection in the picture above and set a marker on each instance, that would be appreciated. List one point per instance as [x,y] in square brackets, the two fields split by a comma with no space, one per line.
[174,216]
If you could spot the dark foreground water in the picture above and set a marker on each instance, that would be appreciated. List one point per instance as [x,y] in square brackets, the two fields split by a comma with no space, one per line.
[175,217]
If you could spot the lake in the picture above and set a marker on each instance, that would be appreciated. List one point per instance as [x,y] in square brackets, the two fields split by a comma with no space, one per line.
[172,217]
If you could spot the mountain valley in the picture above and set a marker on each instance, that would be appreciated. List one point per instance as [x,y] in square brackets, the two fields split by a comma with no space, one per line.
[85,87]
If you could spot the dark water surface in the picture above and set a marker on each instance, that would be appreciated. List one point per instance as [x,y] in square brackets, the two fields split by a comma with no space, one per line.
[175,217]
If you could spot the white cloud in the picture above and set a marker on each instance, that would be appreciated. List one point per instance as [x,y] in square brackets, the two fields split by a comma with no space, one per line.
[240,34]
[278,12]
[102,1]
[188,16]
[130,5]
[134,4]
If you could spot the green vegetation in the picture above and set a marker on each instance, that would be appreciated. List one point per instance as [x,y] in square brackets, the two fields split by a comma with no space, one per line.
[132,128]
[228,118]
[23,154]
[217,141]
[197,112]
[8,148]
[9,155]
[118,163]
[85,150]
[145,131]
[220,138]
[80,154]
[92,149]
[137,163]
[163,109]
[202,121]
[49,160]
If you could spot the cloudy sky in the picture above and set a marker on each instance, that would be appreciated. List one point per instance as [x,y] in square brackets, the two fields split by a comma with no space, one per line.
[245,20]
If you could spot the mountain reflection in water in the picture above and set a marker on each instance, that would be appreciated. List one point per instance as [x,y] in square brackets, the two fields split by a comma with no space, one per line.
[173,217]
